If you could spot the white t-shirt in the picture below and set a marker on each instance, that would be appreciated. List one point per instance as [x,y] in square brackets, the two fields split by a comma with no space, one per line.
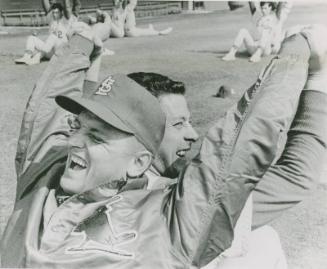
[265,23]
[60,28]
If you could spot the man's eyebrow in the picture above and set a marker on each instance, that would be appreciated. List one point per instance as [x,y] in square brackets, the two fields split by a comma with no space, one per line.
[178,118]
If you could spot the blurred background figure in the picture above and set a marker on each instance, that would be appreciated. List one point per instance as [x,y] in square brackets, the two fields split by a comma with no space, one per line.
[269,18]
[60,19]
[130,24]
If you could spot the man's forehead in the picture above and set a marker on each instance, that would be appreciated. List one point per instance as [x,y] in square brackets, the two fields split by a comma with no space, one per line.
[94,123]
[174,106]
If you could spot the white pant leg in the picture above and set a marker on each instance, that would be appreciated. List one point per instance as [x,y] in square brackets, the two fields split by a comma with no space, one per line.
[265,251]
[34,43]
[244,37]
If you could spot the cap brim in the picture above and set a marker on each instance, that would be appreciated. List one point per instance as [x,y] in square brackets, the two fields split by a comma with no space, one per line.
[76,105]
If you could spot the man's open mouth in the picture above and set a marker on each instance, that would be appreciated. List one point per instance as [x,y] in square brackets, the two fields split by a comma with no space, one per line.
[181,153]
[77,163]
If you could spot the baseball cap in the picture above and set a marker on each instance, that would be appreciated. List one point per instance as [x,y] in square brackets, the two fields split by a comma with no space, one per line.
[127,106]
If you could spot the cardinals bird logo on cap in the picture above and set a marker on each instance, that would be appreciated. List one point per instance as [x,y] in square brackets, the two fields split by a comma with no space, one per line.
[105,86]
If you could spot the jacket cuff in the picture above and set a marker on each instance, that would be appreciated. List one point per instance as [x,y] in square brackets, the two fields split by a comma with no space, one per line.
[81,44]
[296,45]
[311,116]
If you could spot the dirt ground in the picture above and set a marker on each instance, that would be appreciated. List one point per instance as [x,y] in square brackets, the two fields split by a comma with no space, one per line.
[191,54]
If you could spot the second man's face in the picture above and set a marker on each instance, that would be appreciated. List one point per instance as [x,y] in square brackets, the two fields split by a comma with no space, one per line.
[266,9]
[56,13]
[179,132]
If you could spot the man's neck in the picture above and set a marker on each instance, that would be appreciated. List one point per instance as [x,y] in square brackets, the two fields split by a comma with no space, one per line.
[159,166]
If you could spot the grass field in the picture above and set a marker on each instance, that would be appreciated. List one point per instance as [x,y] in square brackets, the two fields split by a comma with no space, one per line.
[191,54]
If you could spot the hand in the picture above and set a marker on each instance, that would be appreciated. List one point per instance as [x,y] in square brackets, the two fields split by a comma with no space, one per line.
[315,35]
[317,77]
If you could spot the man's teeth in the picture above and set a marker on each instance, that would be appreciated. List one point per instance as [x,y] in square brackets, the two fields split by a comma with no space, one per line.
[181,153]
[76,162]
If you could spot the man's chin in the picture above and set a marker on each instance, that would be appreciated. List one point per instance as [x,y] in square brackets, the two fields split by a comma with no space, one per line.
[68,186]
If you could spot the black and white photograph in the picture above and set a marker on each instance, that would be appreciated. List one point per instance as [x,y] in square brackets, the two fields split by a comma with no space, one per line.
[163,134]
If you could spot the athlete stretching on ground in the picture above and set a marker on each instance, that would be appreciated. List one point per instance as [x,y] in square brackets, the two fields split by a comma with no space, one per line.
[60,22]
[130,24]
[268,33]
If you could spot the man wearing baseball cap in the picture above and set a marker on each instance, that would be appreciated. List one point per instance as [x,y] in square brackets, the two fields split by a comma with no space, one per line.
[285,183]
[107,219]
[65,171]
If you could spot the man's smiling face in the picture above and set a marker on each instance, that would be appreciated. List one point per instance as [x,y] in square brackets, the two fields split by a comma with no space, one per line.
[179,133]
[99,154]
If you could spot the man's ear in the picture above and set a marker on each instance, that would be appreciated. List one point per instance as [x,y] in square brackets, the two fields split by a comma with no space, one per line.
[139,164]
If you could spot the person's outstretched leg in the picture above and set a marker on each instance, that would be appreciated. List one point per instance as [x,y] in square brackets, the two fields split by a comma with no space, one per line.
[130,25]
[116,31]
[150,31]
[265,251]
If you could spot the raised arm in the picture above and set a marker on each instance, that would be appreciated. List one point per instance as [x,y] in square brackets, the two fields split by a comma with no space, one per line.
[45,126]
[282,11]
[235,154]
[292,178]
[77,5]
[46,6]
[295,174]
[252,7]
[255,9]
[68,9]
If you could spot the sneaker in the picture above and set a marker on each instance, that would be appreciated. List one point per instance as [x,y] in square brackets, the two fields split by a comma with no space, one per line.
[255,58]
[166,31]
[23,59]
[228,57]
[107,52]
[36,59]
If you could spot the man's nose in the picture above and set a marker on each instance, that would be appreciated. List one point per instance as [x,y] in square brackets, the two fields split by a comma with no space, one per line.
[191,134]
[77,140]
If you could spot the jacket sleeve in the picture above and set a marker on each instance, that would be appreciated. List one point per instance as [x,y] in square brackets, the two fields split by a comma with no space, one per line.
[203,208]
[293,176]
[44,124]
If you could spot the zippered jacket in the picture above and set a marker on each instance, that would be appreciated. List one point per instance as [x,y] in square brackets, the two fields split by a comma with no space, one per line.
[185,225]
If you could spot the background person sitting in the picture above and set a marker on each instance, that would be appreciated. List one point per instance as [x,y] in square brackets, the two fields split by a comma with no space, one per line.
[60,21]
[266,22]
[118,18]
[130,24]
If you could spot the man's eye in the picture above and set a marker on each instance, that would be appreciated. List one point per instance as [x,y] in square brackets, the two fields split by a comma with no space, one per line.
[178,124]
[95,139]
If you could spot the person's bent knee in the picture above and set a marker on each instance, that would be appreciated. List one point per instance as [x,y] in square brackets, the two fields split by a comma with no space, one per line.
[243,31]
[31,37]
[118,34]
[130,33]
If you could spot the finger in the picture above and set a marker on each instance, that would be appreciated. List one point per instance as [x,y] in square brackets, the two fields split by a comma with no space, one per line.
[315,34]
